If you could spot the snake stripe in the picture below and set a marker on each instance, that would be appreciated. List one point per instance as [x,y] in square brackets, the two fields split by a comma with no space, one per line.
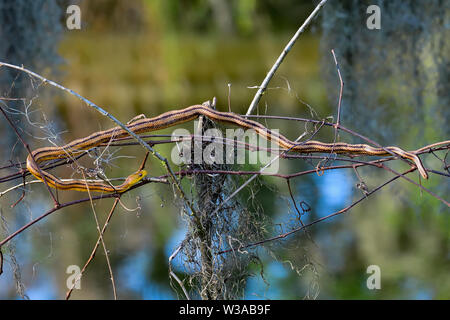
[175,117]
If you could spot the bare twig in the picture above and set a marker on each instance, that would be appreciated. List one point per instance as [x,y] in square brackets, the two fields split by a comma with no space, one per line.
[284,235]
[288,181]
[1,261]
[265,83]
[100,232]
[173,275]
[341,90]
[94,250]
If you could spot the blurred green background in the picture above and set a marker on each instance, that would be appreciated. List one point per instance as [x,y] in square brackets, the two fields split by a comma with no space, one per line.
[133,57]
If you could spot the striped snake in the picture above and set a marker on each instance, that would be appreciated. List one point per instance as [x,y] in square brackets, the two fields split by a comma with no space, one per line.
[176,117]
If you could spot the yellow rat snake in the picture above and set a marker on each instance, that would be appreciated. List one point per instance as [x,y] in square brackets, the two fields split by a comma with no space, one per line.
[175,117]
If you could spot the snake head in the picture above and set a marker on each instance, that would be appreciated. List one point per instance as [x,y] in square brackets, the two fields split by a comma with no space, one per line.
[136,177]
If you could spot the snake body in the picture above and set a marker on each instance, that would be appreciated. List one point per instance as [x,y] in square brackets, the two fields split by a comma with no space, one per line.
[176,117]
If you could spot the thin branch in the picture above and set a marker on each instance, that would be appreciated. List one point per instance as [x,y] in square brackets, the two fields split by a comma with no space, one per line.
[341,90]
[1,261]
[100,232]
[94,250]
[284,235]
[288,182]
[265,83]
[173,275]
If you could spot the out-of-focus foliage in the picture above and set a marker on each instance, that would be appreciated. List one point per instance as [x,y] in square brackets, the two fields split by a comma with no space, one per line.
[397,73]
[30,33]
[247,17]
[396,89]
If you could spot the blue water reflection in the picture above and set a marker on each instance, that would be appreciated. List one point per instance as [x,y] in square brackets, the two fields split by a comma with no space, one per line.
[133,275]
[335,192]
